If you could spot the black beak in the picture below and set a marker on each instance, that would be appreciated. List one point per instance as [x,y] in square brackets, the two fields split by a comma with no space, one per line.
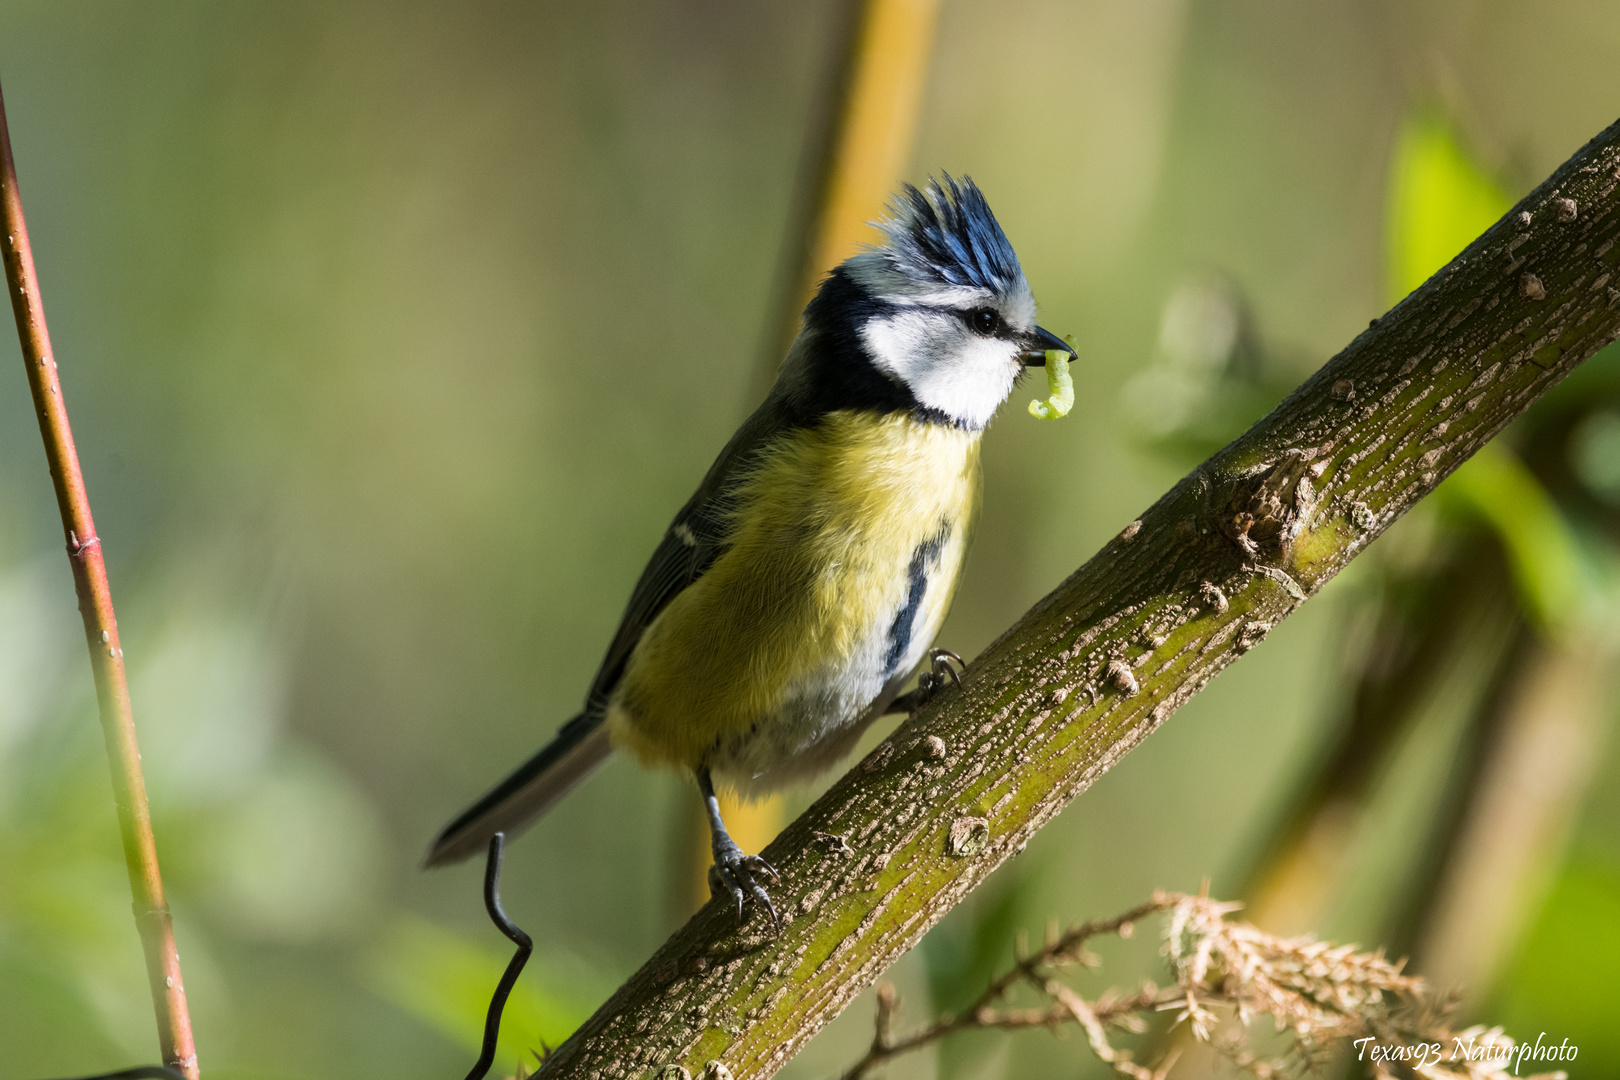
[1038,342]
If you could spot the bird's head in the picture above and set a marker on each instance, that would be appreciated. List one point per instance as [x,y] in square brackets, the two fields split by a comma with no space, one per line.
[937,318]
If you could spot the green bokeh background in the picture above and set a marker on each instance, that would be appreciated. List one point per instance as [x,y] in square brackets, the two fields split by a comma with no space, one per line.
[394,333]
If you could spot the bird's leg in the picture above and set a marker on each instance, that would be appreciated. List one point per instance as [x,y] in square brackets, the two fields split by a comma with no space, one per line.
[733,870]
[931,682]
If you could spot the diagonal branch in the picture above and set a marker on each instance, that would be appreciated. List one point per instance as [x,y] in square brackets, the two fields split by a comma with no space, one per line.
[1095,667]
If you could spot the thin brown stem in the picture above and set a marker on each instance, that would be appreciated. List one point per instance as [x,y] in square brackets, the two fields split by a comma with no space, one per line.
[100,630]
[1034,970]
[1227,974]
[1147,1000]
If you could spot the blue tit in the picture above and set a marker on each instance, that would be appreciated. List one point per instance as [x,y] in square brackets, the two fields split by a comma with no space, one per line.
[802,586]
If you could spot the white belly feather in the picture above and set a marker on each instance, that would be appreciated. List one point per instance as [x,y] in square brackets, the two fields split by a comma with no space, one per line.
[824,713]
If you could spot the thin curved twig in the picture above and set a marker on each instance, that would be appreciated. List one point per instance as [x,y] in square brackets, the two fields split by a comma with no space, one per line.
[986,1010]
[1227,974]
[525,946]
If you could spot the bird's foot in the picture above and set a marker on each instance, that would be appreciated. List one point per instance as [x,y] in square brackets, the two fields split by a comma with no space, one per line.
[943,668]
[740,875]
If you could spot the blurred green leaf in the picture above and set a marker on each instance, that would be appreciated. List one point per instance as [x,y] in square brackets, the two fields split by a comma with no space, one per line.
[1542,550]
[964,952]
[445,980]
[1595,454]
[962,960]
[1564,978]
[1210,375]
[1439,201]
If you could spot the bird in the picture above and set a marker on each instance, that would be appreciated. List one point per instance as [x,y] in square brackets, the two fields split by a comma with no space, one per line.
[802,585]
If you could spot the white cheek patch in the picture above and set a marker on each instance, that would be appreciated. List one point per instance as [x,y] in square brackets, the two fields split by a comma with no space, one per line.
[969,380]
[964,375]
[901,343]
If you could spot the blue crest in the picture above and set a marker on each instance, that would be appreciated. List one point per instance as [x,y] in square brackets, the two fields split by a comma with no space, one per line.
[947,235]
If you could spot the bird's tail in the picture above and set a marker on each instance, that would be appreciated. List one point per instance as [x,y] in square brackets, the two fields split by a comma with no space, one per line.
[579,747]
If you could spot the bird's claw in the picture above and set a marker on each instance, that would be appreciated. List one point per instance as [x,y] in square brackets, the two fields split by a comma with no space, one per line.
[737,873]
[943,666]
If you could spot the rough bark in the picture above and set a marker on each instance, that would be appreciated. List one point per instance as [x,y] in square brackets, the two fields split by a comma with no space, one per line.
[1095,667]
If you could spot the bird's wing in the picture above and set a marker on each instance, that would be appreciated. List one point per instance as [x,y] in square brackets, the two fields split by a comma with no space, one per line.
[699,534]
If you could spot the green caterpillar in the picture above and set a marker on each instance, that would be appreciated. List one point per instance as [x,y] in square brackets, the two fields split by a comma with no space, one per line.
[1059,386]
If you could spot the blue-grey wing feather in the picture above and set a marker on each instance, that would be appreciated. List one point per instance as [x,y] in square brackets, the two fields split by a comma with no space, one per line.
[699,534]
[696,538]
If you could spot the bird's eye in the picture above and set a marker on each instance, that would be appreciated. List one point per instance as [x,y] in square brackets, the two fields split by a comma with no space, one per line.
[984,320]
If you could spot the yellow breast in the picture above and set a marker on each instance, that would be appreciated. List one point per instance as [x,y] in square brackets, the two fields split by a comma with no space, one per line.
[825,530]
